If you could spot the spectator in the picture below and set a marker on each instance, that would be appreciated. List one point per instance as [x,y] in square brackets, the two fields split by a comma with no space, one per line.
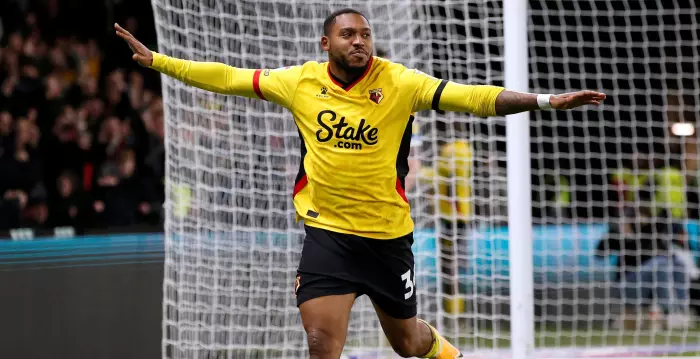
[66,209]
[36,213]
[121,199]
[110,139]
[154,163]
[670,186]
[22,166]
[12,204]
[629,181]
[5,132]
[647,268]
[76,123]
[454,192]
[552,200]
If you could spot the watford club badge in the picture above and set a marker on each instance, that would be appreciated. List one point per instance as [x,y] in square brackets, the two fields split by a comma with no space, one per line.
[376,96]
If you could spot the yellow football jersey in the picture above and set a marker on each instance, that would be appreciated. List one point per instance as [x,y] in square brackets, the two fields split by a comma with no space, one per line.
[355,137]
[454,175]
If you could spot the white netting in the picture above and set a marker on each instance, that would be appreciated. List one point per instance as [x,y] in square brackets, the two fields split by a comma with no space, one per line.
[232,245]
[618,172]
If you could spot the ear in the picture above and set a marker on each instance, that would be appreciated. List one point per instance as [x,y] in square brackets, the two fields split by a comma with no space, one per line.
[325,44]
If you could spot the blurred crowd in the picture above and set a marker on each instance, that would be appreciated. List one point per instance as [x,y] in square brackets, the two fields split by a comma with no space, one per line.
[81,135]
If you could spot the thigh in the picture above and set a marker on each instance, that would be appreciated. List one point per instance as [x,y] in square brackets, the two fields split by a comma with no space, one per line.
[325,292]
[388,276]
[310,286]
[325,321]
[323,269]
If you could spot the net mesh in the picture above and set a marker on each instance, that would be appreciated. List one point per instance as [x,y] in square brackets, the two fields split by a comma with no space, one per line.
[232,246]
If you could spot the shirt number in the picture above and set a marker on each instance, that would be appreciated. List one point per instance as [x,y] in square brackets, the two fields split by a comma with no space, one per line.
[406,277]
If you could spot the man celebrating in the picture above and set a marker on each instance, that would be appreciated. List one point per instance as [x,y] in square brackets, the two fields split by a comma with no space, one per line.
[354,117]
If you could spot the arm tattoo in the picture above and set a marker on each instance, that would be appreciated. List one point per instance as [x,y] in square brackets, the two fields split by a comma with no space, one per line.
[510,102]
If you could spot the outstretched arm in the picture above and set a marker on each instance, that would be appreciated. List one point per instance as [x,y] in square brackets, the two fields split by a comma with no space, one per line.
[276,86]
[210,76]
[486,100]
[510,102]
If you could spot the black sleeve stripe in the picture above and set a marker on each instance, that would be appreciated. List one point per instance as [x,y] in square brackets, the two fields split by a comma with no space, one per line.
[438,93]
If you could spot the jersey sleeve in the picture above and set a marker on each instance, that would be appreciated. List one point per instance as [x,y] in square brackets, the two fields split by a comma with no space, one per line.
[433,93]
[278,86]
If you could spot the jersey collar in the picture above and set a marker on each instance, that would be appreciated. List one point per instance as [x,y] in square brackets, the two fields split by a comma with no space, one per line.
[349,87]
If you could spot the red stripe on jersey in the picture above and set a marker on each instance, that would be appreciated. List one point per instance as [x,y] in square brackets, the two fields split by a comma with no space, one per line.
[256,84]
[300,185]
[400,190]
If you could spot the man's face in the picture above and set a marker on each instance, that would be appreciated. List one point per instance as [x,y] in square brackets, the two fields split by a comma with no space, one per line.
[349,41]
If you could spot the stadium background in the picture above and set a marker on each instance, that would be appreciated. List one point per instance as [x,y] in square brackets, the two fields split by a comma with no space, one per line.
[95,167]
[92,165]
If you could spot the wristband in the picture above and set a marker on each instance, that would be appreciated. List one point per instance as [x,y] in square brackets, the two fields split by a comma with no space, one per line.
[543,101]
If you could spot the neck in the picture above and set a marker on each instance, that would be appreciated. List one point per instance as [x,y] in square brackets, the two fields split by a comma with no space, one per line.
[347,75]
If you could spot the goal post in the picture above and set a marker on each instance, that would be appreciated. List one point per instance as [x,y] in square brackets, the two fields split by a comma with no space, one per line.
[509,212]
[522,306]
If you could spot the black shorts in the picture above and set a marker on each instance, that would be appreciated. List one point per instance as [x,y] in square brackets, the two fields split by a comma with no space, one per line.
[335,263]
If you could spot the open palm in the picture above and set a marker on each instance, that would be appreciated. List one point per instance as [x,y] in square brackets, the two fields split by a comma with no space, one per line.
[142,54]
[571,100]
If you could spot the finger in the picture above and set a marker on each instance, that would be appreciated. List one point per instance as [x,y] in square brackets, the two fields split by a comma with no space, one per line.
[120,29]
[123,36]
[597,95]
[131,42]
[126,37]
[592,96]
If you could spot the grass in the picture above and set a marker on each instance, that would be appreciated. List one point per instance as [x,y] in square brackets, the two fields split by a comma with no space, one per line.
[552,339]
[584,339]
[485,339]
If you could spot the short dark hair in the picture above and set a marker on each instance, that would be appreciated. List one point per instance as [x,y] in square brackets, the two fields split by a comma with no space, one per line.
[330,20]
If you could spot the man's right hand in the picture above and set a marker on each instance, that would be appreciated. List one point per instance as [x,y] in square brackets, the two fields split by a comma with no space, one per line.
[142,54]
